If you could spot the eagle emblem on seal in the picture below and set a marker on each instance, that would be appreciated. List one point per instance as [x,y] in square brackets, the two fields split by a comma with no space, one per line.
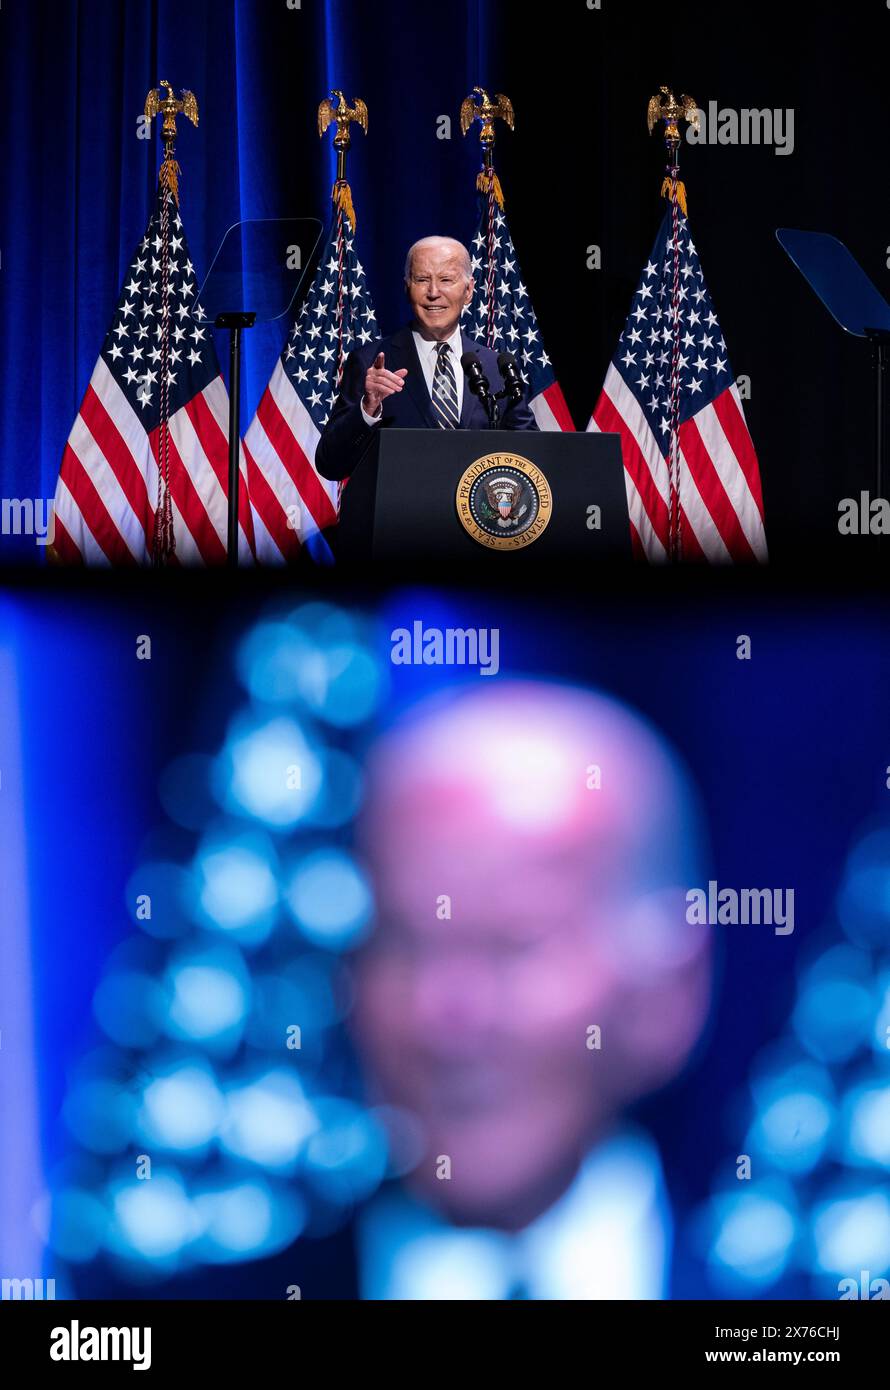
[504,495]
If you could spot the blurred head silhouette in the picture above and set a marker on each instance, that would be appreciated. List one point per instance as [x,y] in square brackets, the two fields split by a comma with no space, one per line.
[531,846]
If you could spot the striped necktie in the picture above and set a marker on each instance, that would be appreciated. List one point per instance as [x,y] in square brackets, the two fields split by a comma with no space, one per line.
[445,389]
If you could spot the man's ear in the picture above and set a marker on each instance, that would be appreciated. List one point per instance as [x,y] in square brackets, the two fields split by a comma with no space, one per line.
[470,288]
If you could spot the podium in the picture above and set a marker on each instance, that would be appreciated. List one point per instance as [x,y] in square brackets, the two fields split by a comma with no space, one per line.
[492,497]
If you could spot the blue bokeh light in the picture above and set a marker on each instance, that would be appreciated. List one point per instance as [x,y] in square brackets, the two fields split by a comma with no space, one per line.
[318,658]
[237,880]
[208,996]
[181,1109]
[793,1130]
[346,1157]
[754,1231]
[246,1220]
[153,1218]
[833,1017]
[219,1009]
[268,1120]
[330,899]
[269,770]
[867,1125]
[851,1232]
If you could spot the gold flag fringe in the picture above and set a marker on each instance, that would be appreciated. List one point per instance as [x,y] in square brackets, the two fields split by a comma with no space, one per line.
[168,177]
[484,183]
[341,194]
[681,193]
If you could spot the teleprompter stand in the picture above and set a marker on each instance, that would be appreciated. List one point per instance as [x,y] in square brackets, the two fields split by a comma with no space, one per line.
[854,302]
[254,279]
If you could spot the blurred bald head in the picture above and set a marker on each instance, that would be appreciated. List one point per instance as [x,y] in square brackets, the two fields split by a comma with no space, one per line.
[532,845]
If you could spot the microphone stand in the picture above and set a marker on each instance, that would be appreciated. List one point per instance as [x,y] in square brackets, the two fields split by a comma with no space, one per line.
[501,395]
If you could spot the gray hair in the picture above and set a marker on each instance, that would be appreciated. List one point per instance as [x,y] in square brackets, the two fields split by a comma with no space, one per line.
[433,240]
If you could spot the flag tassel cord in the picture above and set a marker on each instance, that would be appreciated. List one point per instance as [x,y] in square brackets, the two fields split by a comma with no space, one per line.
[161,101]
[342,115]
[164,539]
[489,290]
[674,526]
[341,212]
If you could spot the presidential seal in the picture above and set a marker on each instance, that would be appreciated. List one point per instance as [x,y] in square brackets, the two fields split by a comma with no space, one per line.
[504,501]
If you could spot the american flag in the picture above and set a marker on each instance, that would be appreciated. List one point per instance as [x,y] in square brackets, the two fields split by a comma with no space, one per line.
[292,503]
[500,314]
[693,482]
[156,409]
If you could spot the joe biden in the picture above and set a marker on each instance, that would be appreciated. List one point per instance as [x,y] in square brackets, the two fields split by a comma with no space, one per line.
[413,379]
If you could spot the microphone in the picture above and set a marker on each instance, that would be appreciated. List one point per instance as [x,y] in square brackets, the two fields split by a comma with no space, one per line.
[512,380]
[476,379]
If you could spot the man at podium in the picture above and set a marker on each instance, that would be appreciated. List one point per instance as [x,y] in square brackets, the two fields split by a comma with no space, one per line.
[414,378]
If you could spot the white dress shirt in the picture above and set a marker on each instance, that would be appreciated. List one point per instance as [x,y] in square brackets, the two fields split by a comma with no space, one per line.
[427,352]
[606,1237]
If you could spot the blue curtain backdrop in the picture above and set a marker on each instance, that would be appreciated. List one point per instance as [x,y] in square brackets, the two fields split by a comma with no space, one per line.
[79,180]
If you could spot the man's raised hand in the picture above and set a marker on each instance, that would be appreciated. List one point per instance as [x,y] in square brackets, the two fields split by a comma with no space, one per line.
[380,383]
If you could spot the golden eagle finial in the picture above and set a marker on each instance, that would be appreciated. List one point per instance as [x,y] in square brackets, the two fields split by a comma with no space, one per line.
[478,106]
[344,115]
[156,103]
[486,111]
[664,106]
[168,106]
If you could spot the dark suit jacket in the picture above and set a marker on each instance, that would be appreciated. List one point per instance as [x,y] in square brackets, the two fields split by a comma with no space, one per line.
[346,438]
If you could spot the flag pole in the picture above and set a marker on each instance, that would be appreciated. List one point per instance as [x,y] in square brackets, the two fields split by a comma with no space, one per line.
[665,107]
[344,115]
[161,101]
[341,196]
[478,106]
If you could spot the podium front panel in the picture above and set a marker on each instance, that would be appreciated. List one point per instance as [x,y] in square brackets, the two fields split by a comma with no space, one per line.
[401,502]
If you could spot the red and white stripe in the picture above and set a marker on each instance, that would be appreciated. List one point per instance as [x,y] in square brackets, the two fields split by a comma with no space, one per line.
[291,501]
[721,504]
[550,410]
[108,483]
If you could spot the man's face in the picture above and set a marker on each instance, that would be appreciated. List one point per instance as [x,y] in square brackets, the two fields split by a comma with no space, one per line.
[438,289]
[477,1023]
[522,905]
